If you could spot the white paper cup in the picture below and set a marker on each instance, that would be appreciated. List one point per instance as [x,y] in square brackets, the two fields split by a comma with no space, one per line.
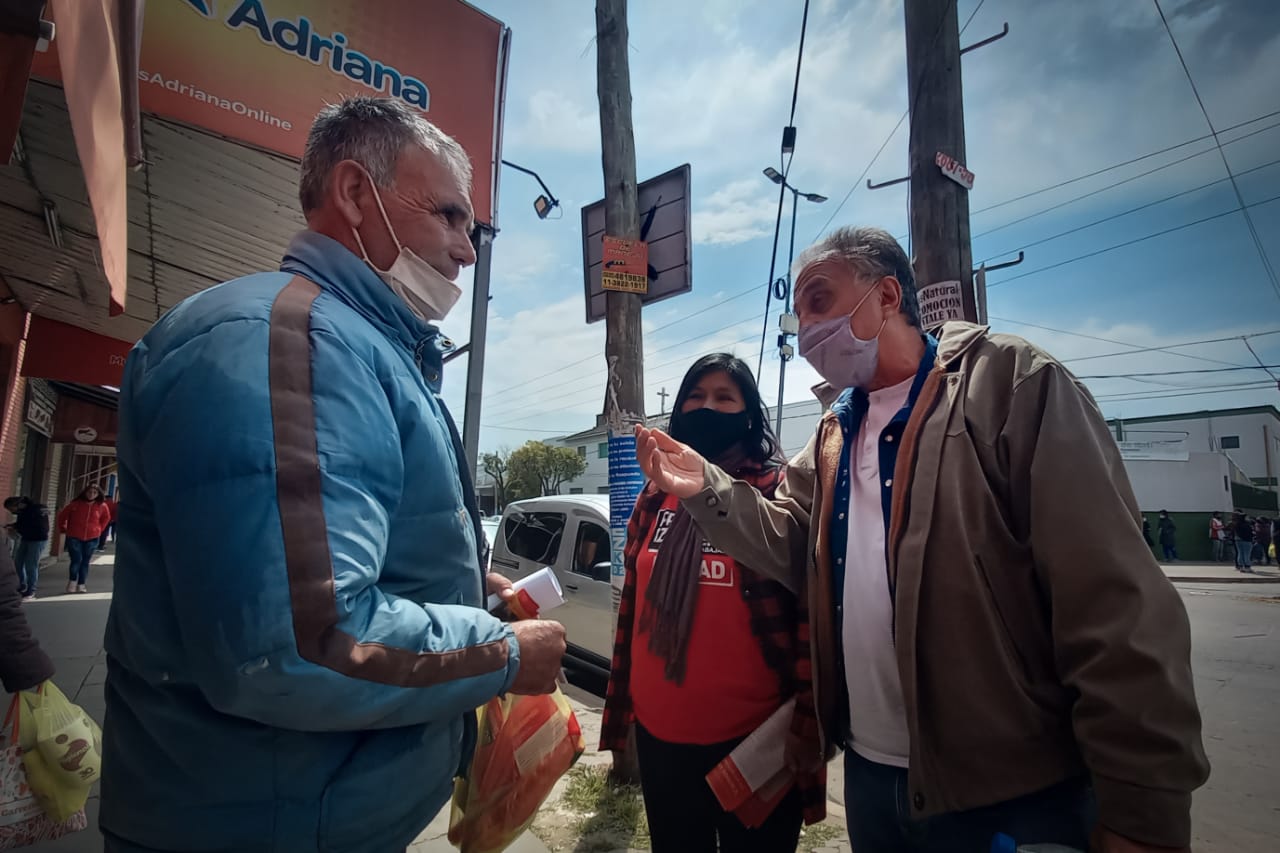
[535,595]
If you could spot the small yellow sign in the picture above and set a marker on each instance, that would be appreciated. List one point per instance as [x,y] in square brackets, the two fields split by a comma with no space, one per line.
[626,265]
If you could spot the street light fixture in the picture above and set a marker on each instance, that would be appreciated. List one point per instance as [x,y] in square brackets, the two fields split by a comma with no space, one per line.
[543,204]
[787,325]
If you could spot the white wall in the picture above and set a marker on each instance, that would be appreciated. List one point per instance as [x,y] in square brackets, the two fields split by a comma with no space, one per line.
[1200,484]
[799,420]
[1206,433]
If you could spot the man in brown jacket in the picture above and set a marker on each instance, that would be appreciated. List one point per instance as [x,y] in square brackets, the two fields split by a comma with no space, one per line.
[993,643]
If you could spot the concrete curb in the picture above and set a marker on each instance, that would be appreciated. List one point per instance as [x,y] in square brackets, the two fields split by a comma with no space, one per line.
[1243,579]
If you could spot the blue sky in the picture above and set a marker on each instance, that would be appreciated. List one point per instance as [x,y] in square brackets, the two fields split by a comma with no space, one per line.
[1075,88]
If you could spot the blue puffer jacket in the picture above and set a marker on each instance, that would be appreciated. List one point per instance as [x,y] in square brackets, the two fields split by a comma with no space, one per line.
[296,640]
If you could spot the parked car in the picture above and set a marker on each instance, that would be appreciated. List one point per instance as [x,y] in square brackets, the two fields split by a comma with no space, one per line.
[569,533]
[490,527]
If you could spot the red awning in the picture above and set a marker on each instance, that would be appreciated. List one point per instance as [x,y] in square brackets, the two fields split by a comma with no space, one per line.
[66,353]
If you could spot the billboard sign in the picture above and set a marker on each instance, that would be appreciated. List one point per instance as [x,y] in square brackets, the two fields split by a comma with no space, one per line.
[258,71]
[663,203]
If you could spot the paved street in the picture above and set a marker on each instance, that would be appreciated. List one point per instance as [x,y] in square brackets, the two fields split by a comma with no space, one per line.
[1236,655]
[1236,633]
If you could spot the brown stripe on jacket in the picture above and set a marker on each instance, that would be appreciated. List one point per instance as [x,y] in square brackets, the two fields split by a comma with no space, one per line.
[306,538]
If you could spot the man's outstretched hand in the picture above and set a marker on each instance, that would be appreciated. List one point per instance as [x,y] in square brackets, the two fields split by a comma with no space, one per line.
[673,467]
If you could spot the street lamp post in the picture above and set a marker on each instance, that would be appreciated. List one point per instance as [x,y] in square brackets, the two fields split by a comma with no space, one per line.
[543,204]
[787,323]
[482,240]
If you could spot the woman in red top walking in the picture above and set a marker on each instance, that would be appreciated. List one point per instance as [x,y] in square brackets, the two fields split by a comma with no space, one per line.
[83,521]
[706,651]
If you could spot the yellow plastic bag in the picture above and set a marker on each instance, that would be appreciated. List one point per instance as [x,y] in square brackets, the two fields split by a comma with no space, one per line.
[524,745]
[67,739]
[34,804]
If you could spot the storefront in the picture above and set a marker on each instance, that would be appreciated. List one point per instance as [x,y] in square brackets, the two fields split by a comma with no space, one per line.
[34,442]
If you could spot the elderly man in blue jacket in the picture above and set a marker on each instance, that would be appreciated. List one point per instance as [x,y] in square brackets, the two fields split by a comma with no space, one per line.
[297,640]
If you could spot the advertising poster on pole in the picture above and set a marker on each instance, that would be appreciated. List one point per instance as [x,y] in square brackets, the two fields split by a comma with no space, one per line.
[625,482]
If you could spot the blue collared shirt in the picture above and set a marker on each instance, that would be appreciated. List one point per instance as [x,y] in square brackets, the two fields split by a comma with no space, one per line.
[850,409]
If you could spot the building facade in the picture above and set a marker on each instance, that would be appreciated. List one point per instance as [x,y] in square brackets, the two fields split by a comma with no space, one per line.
[1249,436]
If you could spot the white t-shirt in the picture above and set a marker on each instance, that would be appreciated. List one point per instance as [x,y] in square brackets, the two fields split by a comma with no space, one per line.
[877,714]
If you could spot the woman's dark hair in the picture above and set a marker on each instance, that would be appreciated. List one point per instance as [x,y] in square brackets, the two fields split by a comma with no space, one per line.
[760,445]
[84,493]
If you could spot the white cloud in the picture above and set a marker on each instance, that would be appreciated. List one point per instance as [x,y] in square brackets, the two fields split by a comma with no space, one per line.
[558,122]
[737,213]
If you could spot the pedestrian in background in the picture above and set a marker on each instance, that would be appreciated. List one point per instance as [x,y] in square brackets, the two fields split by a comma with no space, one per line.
[31,526]
[108,532]
[83,521]
[968,473]
[1262,535]
[1244,542]
[1217,536]
[707,650]
[1168,533]
[298,642]
[1146,532]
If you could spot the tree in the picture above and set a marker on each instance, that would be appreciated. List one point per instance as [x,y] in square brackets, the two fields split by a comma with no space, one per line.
[498,467]
[540,468]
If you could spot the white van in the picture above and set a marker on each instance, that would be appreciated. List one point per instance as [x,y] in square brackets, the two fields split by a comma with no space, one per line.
[569,533]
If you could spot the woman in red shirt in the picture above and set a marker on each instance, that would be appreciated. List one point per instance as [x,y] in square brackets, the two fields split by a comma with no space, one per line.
[83,521]
[706,651]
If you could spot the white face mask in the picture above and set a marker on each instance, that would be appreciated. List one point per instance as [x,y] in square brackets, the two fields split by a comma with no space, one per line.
[419,285]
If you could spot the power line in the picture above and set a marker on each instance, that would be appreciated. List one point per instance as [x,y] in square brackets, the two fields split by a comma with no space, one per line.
[681,359]
[1129,162]
[1266,367]
[1115,184]
[1224,389]
[1166,348]
[751,288]
[1105,219]
[505,404]
[594,356]
[1119,183]
[782,188]
[1129,243]
[1258,359]
[1248,217]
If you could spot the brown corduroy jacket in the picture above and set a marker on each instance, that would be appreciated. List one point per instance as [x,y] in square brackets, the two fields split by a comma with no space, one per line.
[1037,638]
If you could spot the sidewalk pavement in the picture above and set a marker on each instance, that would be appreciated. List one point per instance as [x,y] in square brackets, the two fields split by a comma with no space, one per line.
[1219,573]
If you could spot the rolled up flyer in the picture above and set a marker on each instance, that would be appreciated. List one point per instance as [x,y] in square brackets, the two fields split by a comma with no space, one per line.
[535,595]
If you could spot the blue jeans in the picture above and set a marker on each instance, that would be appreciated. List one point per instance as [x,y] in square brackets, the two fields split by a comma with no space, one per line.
[80,550]
[27,559]
[878,805]
[1244,550]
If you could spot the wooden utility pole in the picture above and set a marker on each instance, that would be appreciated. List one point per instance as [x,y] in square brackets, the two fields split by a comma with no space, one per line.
[939,205]
[623,347]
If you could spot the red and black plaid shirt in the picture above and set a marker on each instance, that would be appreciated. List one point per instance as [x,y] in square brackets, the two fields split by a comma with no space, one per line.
[779,620]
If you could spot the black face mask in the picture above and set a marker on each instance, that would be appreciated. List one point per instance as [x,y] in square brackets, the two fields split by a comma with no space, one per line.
[711,433]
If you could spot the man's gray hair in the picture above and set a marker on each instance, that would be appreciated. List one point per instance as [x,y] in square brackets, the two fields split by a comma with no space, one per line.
[871,252]
[372,132]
